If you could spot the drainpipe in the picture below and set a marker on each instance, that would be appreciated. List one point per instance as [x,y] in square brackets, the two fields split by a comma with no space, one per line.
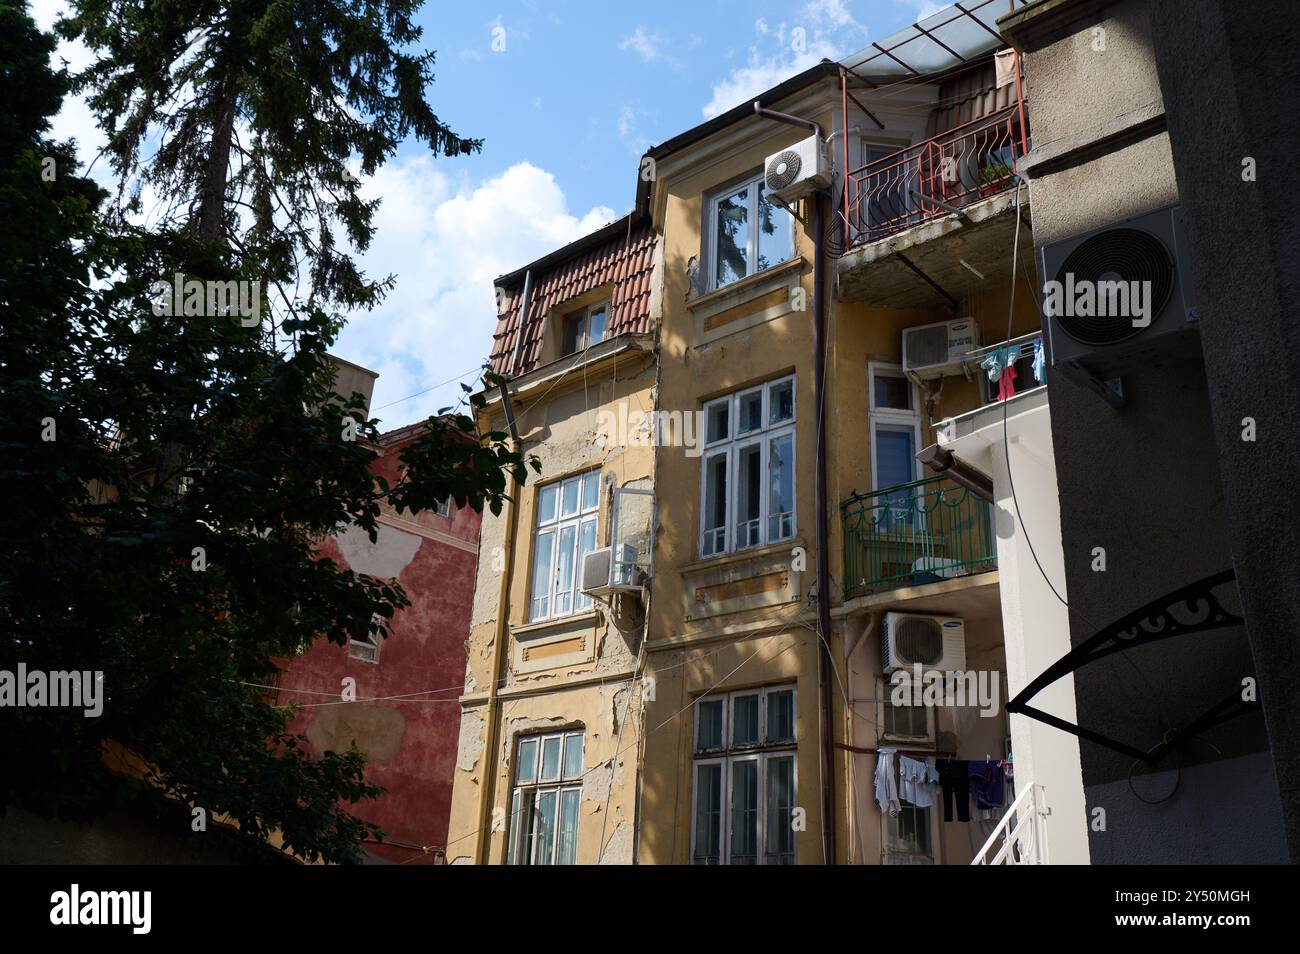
[492,717]
[943,461]
[824,675]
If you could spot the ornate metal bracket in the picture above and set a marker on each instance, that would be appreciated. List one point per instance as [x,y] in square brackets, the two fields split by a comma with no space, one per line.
[1201,610]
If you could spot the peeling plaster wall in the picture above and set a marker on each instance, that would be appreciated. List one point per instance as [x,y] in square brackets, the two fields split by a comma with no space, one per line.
[411,746]
[562,427]
[697,367]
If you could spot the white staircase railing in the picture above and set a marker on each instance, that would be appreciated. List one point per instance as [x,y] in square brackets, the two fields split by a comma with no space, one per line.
[1021,835]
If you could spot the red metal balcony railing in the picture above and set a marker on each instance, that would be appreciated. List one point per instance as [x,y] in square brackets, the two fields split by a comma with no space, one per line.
[956,168]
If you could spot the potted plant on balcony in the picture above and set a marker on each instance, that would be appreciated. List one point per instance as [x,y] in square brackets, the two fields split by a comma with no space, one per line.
[991,177]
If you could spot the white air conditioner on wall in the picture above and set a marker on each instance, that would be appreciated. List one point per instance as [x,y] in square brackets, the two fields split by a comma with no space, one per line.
[931,351]
[600,579]
[794,172]
[933,642]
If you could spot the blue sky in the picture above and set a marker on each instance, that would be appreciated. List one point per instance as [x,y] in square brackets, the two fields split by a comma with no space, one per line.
[566,96]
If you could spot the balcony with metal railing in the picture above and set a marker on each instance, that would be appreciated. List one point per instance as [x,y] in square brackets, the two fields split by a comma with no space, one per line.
[925,531]
[940,176]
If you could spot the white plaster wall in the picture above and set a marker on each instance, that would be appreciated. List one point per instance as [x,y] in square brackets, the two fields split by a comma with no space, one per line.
[1036,629]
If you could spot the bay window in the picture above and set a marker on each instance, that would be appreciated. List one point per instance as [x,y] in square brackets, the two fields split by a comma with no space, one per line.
[743,778]
[747,472]
[565,533]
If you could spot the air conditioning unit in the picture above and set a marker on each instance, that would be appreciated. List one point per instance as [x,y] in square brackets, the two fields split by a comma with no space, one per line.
[794,172]
[933,642]
[1150,250]
[598,579]
[931,351]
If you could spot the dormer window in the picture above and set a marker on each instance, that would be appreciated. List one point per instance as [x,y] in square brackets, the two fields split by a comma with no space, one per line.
[585,328]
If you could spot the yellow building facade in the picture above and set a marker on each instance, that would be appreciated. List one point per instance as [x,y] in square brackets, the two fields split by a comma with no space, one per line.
[720,737]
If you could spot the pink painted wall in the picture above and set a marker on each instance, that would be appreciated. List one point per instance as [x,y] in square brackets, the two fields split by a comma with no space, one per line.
[410,744]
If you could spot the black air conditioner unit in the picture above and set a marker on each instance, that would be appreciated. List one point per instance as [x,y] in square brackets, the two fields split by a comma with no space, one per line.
[1150,249]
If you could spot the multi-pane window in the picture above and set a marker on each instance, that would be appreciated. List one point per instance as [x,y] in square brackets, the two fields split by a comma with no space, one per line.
[443,507]
[907,835]
[544,807]
[895,440]
[364,642]
[565,534]
[743,778]
[747,484]
[585,328]
[906,722]
[747,233]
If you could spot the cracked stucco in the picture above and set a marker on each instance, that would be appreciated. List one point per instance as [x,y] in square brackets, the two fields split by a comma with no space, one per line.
[469,747]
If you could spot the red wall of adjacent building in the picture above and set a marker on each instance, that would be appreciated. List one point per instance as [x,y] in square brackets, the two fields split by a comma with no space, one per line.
[410,747]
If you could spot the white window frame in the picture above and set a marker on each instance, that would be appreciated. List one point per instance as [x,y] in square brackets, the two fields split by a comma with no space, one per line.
[754,182]
[891,416]
[763,753]
[535,789]
[891,848]
[730,446]
[927,741]
[579,602]
[443,507]
[583,319]
[873,151]
[368,649]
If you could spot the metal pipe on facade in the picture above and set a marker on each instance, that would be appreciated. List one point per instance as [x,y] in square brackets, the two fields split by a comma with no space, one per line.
[492,717]
[943,461]
[823,527]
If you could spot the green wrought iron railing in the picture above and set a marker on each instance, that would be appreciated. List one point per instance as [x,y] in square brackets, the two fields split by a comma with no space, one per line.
[922,532]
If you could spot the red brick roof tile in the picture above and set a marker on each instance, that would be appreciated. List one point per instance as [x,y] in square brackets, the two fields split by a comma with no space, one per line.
[626,259]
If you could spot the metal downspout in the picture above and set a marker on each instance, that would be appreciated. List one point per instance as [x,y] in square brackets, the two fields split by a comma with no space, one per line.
[824,674]
[498,657]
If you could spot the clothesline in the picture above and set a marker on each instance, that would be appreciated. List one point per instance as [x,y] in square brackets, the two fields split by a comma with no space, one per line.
[915,753]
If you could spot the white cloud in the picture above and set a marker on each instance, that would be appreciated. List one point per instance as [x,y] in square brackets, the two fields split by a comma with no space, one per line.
[629,128]
[923,8]
[648,46]
[780,51]
[446,241]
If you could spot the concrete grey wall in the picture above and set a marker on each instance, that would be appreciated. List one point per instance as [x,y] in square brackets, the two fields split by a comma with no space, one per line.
[1231,82]
[1192,830]
[1141,482]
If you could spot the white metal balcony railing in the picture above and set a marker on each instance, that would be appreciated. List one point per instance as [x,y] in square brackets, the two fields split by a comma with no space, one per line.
[1021,835]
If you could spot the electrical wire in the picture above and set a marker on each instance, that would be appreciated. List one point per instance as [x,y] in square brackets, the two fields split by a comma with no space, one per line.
[670,719]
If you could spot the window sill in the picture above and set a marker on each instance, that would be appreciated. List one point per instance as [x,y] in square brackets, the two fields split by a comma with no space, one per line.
[739,556]
[574,621]
[745,289]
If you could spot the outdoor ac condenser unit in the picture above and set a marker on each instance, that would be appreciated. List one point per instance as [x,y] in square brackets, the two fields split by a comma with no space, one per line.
[793,173]
[930,351]
[598,579]
[933,642]
[1148,249]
